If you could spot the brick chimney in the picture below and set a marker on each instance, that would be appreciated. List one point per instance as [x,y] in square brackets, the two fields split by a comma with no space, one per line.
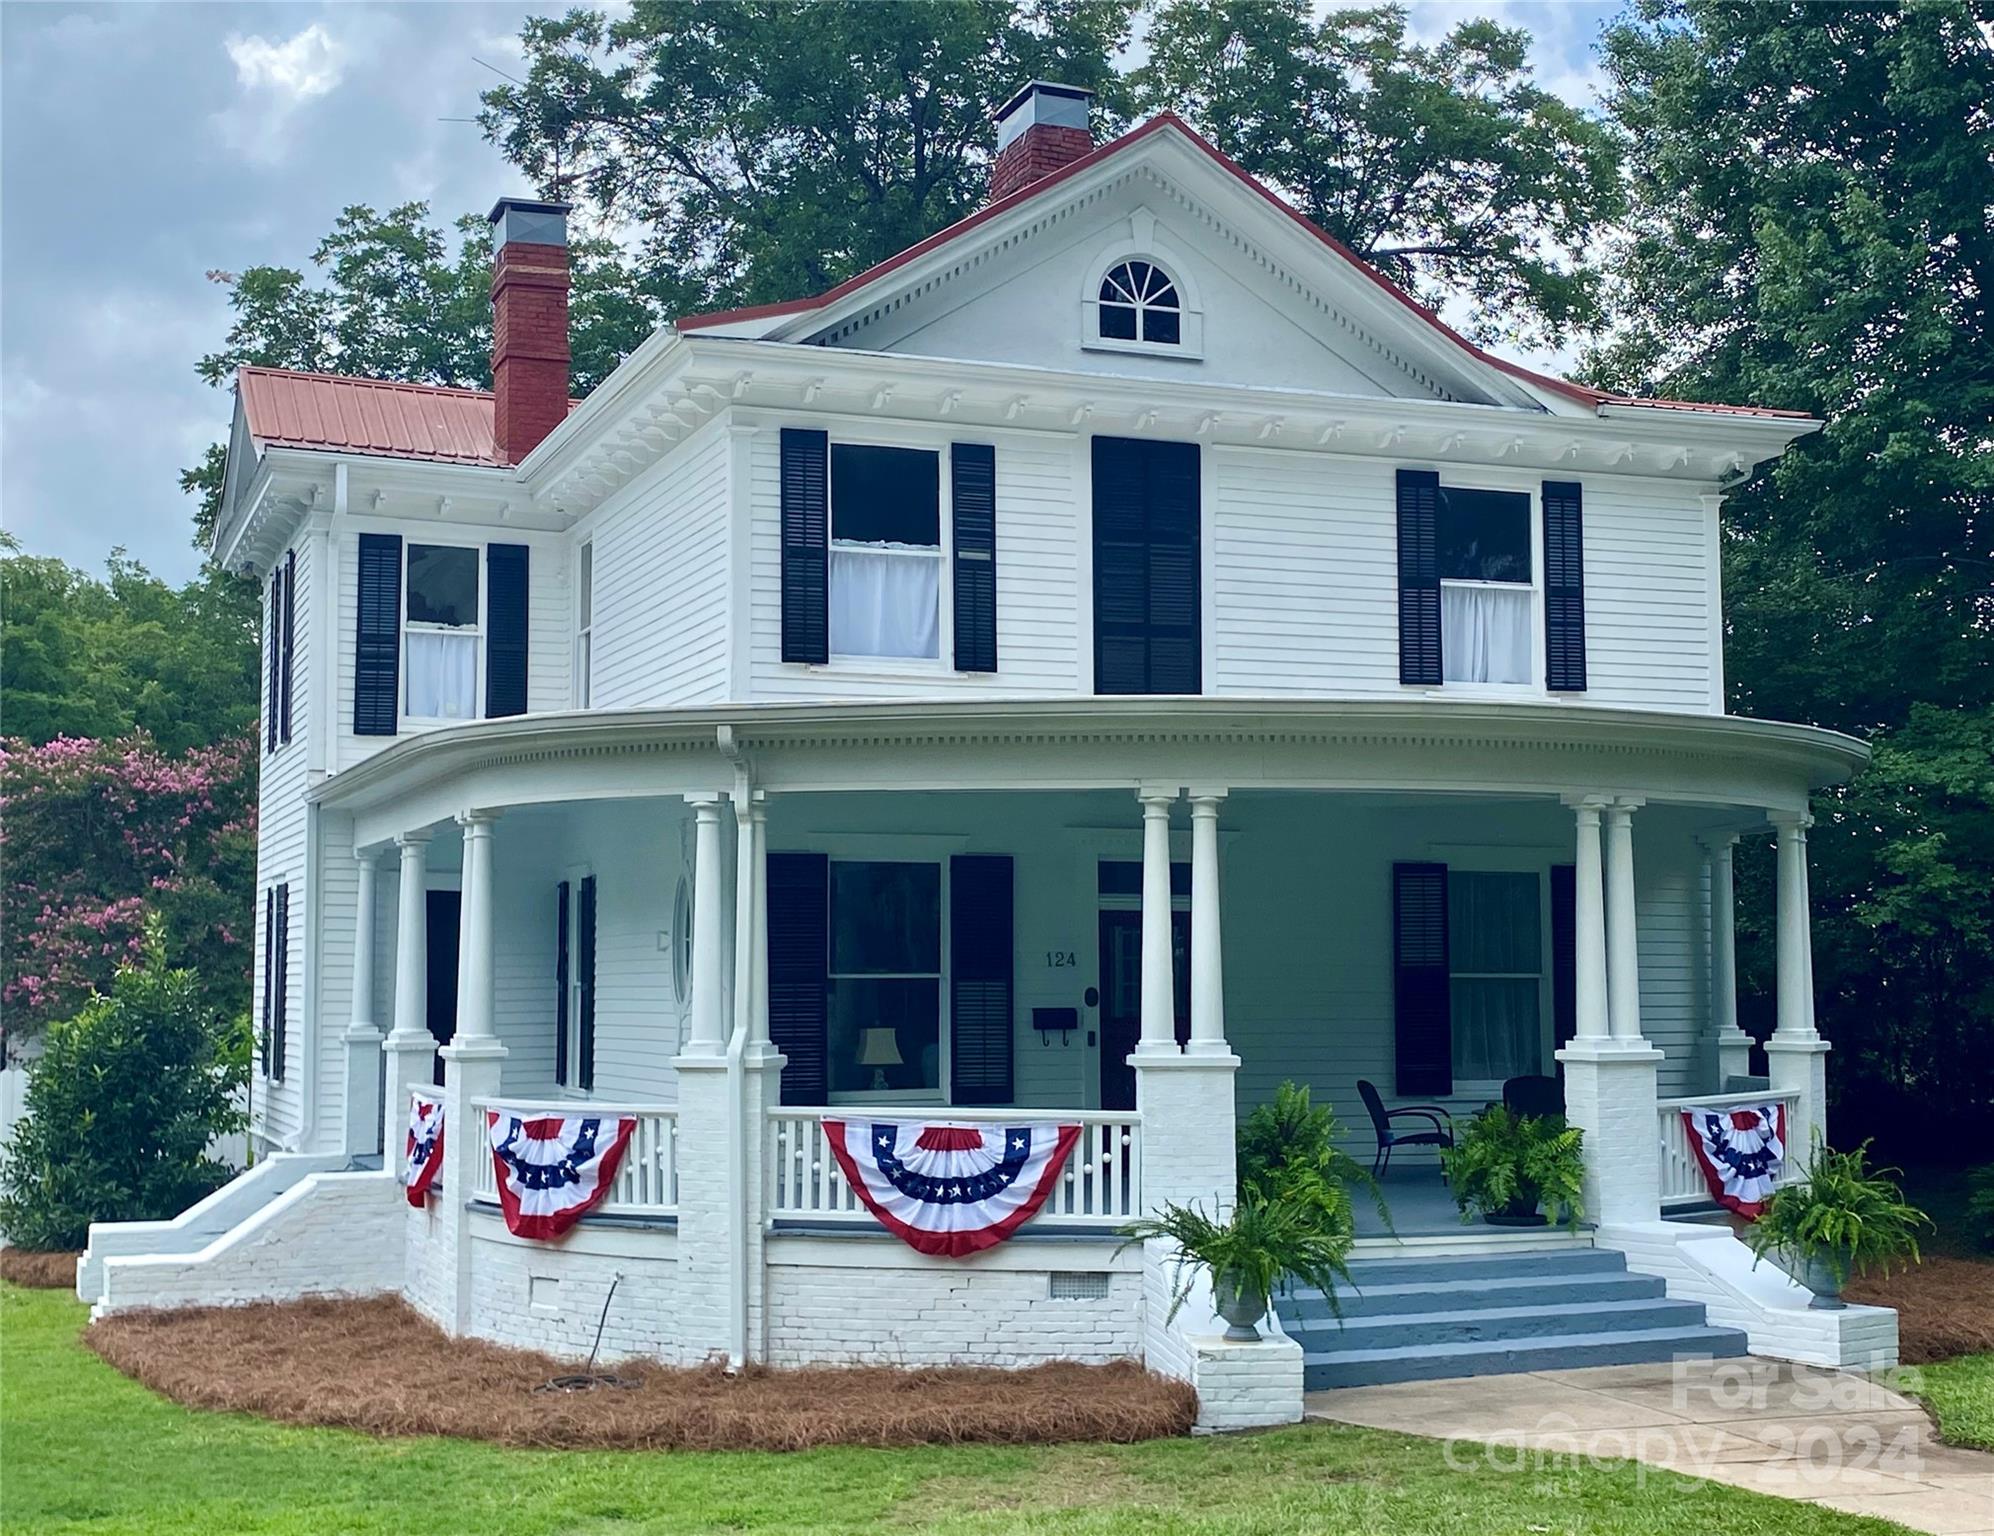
[1039,130]
[529,323]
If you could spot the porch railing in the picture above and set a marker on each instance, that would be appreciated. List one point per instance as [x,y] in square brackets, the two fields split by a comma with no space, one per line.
[1682,1176]
[1101,1185]
[646,1182]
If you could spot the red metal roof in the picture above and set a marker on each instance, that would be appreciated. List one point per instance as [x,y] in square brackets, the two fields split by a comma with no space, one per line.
[1163,120]
[340,414]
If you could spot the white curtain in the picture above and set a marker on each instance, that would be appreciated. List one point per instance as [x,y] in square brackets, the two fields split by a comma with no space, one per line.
[885,603]
[1485,633]
[1494,1023]
[442,672]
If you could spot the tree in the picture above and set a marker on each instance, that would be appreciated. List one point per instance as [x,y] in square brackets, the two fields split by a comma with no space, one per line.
[122,1106]
[770,148]
[1443,165]
[1809,192]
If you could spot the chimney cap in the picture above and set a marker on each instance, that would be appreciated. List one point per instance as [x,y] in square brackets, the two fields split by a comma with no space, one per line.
[528,221]
[1042,101]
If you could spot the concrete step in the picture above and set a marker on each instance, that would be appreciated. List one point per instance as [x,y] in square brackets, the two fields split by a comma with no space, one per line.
[1323,1369]
[1416,1330]
[1573,1292]
[1570,1261]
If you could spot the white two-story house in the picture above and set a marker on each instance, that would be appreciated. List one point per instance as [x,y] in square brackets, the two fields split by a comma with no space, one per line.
[1114,657]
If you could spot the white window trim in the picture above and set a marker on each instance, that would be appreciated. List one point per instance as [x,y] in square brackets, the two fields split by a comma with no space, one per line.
[475,631]
[856,664]
[575,874]
[584,659]
[940,1093]
[1486,860]
[1142,244]
[1535,689]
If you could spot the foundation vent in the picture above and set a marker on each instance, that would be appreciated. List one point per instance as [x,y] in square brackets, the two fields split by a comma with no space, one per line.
[1079,1285]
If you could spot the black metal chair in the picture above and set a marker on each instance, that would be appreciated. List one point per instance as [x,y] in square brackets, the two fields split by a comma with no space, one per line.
[1532,1096]
[1441,1133]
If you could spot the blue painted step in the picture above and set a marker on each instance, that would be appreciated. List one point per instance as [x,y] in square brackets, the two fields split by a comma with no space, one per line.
[1421,1319]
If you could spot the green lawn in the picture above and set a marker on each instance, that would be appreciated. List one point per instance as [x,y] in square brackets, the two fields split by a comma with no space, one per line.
[1960,1394]
[86,1450]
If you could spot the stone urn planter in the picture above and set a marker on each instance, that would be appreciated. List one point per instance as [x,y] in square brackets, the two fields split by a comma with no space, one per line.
[1818,1275]
[1241,1311]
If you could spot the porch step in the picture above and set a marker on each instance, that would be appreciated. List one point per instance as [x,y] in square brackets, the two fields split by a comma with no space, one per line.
[1407,1320]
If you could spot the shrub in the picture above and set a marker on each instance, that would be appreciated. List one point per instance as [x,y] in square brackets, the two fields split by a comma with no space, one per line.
[121,1107]
[1844,1215]
[1288,1150]
[1507,1164]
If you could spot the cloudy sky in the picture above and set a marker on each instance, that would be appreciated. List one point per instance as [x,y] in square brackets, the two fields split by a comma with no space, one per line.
[143,145]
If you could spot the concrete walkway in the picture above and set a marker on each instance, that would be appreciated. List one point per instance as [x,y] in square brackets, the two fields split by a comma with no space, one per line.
[1801,1433]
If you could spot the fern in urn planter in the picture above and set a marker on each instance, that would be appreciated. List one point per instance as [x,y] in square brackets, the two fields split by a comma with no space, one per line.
[1259,1246]
[1840,1218]
[1518,1170]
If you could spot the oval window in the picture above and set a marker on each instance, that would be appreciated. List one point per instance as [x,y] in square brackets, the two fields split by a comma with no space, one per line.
[682,939]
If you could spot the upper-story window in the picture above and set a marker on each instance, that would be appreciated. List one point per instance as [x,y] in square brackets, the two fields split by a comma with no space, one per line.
[584,625]
[886,552]
[1139,302]
[1487,597]
[441,632]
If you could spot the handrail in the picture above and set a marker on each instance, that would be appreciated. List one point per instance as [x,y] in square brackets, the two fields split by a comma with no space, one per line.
[573,1107]
[1682,1180]
[646,1182]
[1730,1100]
[944,1114]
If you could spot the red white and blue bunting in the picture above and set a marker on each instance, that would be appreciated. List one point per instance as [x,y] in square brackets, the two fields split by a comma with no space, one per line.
[950,1190]
[422,1157]
[1741,1150]
[554,1168]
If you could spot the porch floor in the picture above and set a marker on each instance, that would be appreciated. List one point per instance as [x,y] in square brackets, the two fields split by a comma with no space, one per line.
[1421,1205]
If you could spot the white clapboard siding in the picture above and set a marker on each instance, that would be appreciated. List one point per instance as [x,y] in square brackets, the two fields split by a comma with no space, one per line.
[277,1107]
[1648,592]
[661,597]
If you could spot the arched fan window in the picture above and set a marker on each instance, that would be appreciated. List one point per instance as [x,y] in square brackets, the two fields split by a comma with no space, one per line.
[1139,302]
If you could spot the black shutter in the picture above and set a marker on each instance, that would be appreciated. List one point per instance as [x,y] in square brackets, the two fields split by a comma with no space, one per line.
[1422,1024]
[505,630]
[377,648]
[273,649]
[561,985]
[1564,587]
[799,938]
[973,501]
[269,971]
[1146,567]
[278,1031]
[1419,577]
[1564,953]
[290,637]
[980,1023]
[806,537]
[585,944]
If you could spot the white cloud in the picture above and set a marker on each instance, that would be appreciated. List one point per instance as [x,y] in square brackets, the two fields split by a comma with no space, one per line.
[307,65]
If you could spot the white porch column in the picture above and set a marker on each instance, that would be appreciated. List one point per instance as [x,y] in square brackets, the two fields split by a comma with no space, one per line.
[1796,1055]
[409,1047]
[1207,957]
[1734,1046]
[1159,995]
[473,1063]
[362,1039]
[761,1070]
[1610,1070]
[711,1159]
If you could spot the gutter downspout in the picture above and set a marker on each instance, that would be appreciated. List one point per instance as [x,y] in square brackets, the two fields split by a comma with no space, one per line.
[737,1077]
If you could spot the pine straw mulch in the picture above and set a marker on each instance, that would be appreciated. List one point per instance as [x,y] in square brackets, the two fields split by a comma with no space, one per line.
[1945,1307]
[39,1271]
[378,1366]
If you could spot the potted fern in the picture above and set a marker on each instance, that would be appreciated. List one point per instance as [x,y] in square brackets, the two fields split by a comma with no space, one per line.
[1248,1253]
[1518,1170]
[1842,1218]
[1288,1146]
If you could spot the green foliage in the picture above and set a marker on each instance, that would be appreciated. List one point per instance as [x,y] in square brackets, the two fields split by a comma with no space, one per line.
[1288,1150]
[105,658]
[121,1107]
[1960,1395]
[1842,1214]
[1444,164]
[1506,1164]
[771,148]
[1827,249]
[1980,1206]
[1263,1245]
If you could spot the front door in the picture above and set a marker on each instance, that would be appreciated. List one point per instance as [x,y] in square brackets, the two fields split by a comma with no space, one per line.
[444,910]
[1121,997]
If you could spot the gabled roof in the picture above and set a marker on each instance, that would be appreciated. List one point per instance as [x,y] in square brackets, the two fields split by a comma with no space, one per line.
[741,321]
[340,414]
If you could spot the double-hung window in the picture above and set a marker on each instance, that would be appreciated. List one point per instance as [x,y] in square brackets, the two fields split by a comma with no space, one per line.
[1487,596]
[886,552]
[884,1035]
[441,634]
[1495,959]
[584,625]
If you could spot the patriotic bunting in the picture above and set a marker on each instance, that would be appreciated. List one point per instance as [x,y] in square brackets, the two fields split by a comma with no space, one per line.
[422,1158]
[554,1168]
[950,1190]
[1741,1151]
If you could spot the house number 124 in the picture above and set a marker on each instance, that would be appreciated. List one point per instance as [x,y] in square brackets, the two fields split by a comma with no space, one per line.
[1060,959]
